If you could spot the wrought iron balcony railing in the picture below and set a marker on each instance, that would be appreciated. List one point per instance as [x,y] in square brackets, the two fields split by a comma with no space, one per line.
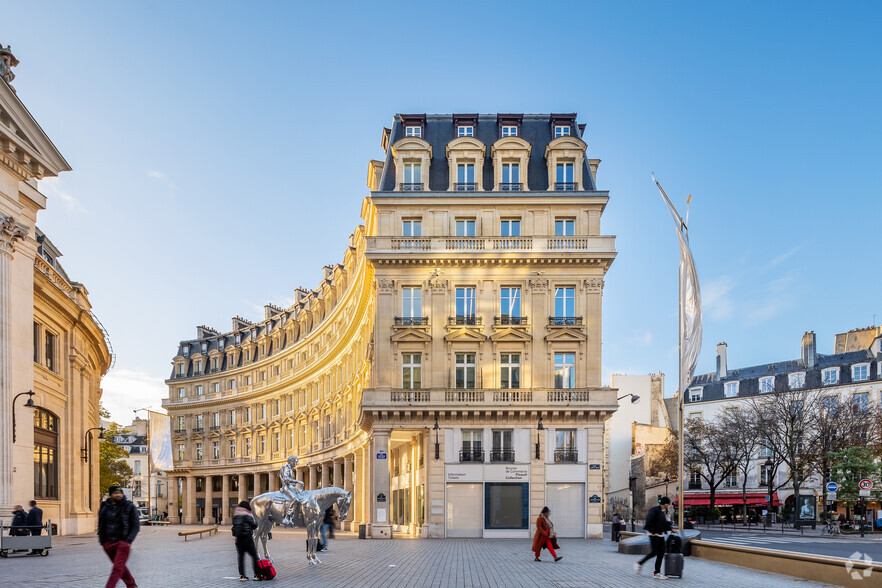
[564,321]
[215,427]
[180,431]
[502,455]
[566,455]
[564,186]
[465,320]
[510,186]
[197,429]
[410,321]
[465,186]
[411,187]
[509,320]
[472,455]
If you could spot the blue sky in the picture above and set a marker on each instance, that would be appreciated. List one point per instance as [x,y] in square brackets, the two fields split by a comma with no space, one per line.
[201,189]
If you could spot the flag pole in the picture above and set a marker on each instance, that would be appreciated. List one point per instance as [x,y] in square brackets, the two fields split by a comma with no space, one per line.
[680,394]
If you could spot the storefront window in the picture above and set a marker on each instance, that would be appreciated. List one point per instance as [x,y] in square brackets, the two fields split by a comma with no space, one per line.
[506,506]
[45,453]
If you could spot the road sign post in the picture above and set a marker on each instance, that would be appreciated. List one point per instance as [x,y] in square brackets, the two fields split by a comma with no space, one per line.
[865,486]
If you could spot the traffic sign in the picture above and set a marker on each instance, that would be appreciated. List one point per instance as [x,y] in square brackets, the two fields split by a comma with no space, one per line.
[832,486]
[863,492]
[865,484]
[831,496]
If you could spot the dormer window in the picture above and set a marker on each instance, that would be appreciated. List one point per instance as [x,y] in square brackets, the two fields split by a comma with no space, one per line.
[413,131]
[730,390]
[561,131]
[830,376]
[465,177]
[204,347]
[413,177]
[238,338]
[509,131]
[796,381]
[186,351]
[860,372]
[695,394]
[465,131]
[767,385]
[465,160]
[563,181]
[220,344]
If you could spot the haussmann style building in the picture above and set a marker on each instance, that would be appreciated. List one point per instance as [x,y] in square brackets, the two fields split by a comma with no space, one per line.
[448,370]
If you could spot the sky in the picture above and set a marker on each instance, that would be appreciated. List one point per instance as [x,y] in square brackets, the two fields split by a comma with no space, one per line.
[202,188]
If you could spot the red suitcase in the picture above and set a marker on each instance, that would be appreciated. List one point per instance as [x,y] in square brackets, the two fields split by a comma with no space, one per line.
[265,569]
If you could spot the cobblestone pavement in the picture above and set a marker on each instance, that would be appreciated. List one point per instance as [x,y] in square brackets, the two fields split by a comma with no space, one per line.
[162,559]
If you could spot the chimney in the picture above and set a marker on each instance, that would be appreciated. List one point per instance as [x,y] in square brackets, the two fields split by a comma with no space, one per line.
[722,371]
[809,350]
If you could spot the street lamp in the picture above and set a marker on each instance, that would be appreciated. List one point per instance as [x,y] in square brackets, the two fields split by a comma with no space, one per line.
[436,428]
[667,481]
[768,465]
[87,445]
[29,404]
[634,398]
[539,427]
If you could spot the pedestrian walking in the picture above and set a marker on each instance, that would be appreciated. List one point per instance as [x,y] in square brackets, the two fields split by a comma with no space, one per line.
[118,524]
[616,526]
[657,524]
[328,525]
[35,522]
[545,537]
[243,530]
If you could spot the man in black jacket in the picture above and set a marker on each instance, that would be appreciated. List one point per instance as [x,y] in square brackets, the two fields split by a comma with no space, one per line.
[243,530]
[35,521]
[118,524]
[657,524]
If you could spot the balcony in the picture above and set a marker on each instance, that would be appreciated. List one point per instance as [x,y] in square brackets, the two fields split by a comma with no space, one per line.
[471,456]
[564,186]
[502,456]
[197,429]
[180,431]
[464,320]
[214,428]
[411,321]
[568,455]
[510,187]
[465,186]
[410,396]
[564,321]
[568,395]
[515,396]
[411,187]
[602,246]
[509,321]
[396,398]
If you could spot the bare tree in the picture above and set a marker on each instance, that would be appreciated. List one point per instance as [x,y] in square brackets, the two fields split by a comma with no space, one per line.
[707,449]
[743,436]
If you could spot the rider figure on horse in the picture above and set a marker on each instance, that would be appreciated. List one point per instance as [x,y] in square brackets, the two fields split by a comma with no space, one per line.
[291,486]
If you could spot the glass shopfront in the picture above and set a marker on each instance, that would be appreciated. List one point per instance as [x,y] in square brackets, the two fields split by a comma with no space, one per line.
[506,505]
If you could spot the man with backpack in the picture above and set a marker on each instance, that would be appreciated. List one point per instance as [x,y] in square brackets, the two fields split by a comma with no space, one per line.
[243,530]
[657,524]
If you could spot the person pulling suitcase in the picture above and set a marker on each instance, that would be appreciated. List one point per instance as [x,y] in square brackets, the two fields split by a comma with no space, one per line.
[674,556]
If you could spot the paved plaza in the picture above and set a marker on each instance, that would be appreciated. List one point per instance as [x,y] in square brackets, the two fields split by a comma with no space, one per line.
[162,559]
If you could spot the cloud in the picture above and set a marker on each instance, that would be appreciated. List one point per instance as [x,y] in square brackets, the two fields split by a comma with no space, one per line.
[128,389]
[162,177]
[53,190]
[643,339]
[775,297]
[716,297]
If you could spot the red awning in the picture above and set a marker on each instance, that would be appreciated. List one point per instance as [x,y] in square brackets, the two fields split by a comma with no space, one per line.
[727,499]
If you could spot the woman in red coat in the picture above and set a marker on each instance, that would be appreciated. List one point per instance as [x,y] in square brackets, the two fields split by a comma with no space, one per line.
[544,534]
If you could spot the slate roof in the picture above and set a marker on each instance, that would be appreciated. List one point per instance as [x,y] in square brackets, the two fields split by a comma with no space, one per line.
[440,130]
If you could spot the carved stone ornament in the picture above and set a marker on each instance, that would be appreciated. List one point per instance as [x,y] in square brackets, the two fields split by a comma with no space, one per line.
[7,62]
[539,285]
[10,231]
[385,285]
[437,284]
[594,284]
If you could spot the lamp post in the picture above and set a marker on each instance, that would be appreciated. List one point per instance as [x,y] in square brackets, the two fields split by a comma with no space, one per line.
[539,427]
[87,442]
[768,465]
[667,481]
[436,428]
[29,404]
[634,398]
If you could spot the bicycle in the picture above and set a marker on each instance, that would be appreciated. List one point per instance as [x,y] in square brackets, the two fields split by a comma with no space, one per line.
[830,529]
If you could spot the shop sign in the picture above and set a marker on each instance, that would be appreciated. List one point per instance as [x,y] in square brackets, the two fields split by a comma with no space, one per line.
[506,473]
[464,473]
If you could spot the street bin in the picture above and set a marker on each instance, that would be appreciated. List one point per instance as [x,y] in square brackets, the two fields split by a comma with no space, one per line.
[362,531]
[54,529]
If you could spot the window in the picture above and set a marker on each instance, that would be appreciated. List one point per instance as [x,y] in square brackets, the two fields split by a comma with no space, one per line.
[214,364]
[215,450]
[411,371]
[465,131]
[730,390]
[564,370]
[694,415]
[859,373]
[830,376]
[411,228]
[232,452]
[502,446]
[695,480]
[180,453]
[247,380]
[199,390]
[216,387]
[565,445]
[232,418]
[263,375]
[731,481]
[413,174]
[275,442]
[137,467]
[564,227]
[695,394]
[199,422]
[860,403]
[465,305]
[247,447]
[765,450]
[564,304]
[262,412]
[797,408]
[796,381]
[510,370]
[181,424]
[472,445]
[510,228]
[198,369]
[136,490]
[247,414]
[465,370]
[508,131]
[510,305]
[511,177]
[465,228]
[181,392]
[411,302]
[180,370]
[765,474]
[564,178]
[262,445]
[506,505]
[36,342]
[231,385]
[45,454]
[215,419]
[561,131]
[413,131]
[198,451]
[830,406]
[767,385]
[49,357]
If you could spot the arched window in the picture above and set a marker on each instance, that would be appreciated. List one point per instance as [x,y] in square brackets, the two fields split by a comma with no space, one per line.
[45,454]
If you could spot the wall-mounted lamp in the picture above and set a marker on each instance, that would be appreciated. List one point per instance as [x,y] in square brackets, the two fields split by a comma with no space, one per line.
[539,427]
[29,404]
[436,428]
[634,398]
[87,442]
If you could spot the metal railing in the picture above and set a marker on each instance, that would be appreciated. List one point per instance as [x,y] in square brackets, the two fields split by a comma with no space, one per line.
[564,321]
[465,320]
[409,321]
[465,186]
[509,320]
[510,186]
[180,431]
[215,427]
[197,429]
[565,186]
[567,455]
[502,455]
[411,187]
[471,455]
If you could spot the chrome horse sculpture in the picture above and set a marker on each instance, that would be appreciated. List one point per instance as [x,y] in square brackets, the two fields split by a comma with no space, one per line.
[302,508]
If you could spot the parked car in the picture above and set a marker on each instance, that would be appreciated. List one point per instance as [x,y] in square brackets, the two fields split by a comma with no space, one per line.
[143,517]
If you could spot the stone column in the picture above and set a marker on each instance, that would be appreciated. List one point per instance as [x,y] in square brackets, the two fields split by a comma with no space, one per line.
[357,516]
[326,474]
[173,517]
[242,493]
[274,482]
[312,476]
[208,519]
[594,514]
[226,515]
[347,485]
[338,473]
[381,527]
[256,485]
[189,505]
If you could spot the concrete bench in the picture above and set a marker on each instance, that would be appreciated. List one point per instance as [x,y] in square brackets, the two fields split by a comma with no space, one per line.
[209,530]
[158,522]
